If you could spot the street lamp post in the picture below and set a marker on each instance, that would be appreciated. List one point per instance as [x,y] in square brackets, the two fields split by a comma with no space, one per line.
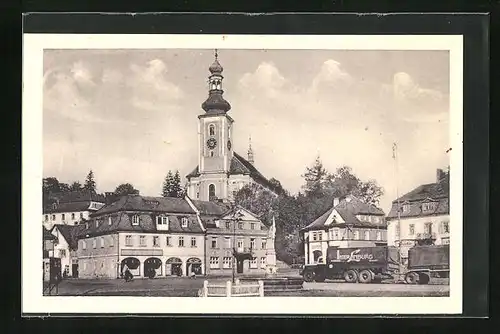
[235,218]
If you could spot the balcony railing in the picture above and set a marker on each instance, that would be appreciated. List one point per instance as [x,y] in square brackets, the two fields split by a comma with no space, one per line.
[426,235]
[241,250]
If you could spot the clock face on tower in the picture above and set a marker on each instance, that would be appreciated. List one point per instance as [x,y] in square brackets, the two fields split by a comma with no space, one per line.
[228,144]
[211,143]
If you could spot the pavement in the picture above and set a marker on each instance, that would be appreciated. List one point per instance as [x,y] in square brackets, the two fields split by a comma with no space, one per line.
[188,287]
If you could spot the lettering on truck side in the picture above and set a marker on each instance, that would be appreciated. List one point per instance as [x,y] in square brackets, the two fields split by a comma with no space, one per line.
[355,256]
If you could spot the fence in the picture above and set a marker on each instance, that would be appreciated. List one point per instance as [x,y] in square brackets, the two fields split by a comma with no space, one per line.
[232,290]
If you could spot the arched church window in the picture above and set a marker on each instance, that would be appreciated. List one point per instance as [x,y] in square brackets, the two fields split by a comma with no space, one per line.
[211,130]
[211,191]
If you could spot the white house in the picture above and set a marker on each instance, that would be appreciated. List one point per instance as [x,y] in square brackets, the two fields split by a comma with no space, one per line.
[348,223]
[424,216]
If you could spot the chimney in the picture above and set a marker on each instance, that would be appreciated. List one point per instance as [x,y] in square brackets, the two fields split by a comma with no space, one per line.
[336,201]
[439,175]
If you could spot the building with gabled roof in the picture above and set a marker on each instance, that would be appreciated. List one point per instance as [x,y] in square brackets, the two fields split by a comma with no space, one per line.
[66,247]
[424,214]
[349,222]
[70,208]
[152,236]
[234,237]
[221,172]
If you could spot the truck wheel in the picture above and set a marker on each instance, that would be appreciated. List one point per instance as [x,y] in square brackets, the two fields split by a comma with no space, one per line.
[320,278]
[351,276]
[423,278]
[309,276]
[411,278]
[365,276]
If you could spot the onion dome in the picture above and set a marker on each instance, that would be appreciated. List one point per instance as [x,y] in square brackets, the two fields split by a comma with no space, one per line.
[216,67]
[216,103]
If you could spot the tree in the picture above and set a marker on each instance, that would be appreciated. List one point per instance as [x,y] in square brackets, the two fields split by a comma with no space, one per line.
[257,200]
[90,182]
[75,186]
[126,189]
[167,188]
[176,185]
[278,188]
[316,176]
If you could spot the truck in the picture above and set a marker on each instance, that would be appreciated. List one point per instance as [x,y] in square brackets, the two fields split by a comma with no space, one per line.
[372,264]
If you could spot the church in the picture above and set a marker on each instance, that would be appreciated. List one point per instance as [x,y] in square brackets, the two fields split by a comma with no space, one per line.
[221,172]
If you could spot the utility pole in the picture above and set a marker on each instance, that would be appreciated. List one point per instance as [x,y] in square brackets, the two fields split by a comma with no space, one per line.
[395,156]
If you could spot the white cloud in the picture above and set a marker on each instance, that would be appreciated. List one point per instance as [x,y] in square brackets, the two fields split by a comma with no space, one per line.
[81,74]
[111,76]
[151,89]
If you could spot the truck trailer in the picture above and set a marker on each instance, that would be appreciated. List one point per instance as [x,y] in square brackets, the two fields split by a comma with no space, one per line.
[372,264]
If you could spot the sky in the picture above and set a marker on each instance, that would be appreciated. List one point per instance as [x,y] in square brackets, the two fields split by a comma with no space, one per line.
[131,115]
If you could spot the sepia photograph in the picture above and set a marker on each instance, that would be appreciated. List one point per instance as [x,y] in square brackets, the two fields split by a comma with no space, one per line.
[243,166]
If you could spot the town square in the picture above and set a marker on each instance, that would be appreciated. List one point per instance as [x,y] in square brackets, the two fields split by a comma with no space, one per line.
[166,206]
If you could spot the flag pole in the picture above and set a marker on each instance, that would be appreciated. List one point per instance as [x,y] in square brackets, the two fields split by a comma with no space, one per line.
[395,156]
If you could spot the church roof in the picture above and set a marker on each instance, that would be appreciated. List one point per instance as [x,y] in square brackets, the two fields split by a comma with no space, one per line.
[240,165]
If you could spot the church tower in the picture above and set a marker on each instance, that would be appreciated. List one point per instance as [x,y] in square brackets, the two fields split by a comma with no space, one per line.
[215,128]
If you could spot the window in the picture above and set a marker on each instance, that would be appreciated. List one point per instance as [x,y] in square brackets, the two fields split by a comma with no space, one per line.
[53,217]
[142,240]
[102,242]
[320,235]
[46,217]
[428,206]
[335,234]
[411,229]
[156,241]
[379,235]
[252,226]
[198,194]
[240,243]
[211,130]
[184,222]
[227,242]
[62,253]
[96,223]
[214,262]
[84,244]
[72,216]
[253,263]
[168,241]
[181,241]
[240,225]
[406,207]
[428,228]
[367,235]
[81,215]
[128,240]
[445,227]
[356,235]
[227,262]
[135,220]
[214,243]
[252,243]
[94,243]
[262,262]
[228,225]
[193,241]
[211,191]
[110,221]
[315,236]
[111,241]
[264,244]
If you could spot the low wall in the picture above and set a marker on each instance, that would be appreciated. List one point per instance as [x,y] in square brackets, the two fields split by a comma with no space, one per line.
[278,283]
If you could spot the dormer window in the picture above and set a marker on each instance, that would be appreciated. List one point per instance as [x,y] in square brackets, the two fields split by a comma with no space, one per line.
[162,223]
[97,223]
[428,206]
[406,207]
[135,220]
[184,222]
[110,221]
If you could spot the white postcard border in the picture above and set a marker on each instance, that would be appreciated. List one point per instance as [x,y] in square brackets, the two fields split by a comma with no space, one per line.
[33,300]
